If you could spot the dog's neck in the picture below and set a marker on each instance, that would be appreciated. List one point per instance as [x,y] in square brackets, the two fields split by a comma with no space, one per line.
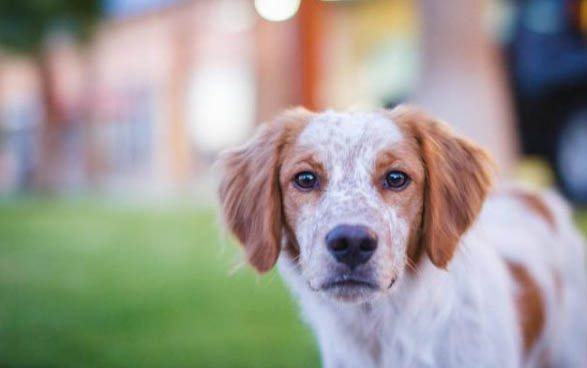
[396,322]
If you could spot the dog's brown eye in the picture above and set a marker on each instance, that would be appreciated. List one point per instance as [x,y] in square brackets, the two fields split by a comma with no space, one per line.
[396,180]
[306,180]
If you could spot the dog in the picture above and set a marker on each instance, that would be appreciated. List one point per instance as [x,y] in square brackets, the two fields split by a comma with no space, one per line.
[387,228]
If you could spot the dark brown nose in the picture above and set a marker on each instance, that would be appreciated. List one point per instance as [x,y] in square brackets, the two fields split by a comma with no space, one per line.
[352,245]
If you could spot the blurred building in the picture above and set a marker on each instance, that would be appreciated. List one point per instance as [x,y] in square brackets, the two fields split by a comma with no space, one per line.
[20,122]
[165,84]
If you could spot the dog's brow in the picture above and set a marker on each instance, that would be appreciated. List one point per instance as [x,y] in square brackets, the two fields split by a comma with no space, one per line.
[385,159]
[310,161]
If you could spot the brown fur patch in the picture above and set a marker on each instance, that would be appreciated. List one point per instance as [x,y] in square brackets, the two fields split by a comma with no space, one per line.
[537,205]
[531,310]
[458,178]
[250,193]
[404,156]
[297,160]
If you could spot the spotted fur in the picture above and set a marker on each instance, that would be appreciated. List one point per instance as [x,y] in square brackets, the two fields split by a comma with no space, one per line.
[458,279]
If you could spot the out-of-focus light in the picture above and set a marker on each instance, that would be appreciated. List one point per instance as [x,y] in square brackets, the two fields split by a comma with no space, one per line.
[234,16]
[277,10]
[221,105]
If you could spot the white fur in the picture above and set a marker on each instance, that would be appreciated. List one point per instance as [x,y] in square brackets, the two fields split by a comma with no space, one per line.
[347,144]
[464,316]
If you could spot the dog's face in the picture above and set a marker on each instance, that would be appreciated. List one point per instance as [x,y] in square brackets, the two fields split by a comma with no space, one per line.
[353,199]
[352,188]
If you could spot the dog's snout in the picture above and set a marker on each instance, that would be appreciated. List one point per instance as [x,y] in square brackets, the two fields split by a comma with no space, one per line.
[351,244]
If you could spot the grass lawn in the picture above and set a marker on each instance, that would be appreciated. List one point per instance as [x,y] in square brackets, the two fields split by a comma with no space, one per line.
[95,285]
[90,285]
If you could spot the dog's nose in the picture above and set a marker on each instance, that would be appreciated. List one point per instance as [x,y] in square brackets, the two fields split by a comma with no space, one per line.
[351,244]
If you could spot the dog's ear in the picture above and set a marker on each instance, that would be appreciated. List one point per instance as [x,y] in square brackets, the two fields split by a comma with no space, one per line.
[250,195]
[459,175]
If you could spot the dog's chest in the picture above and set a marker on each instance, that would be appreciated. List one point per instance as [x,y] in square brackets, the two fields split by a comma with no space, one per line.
[417,326]
[370,336]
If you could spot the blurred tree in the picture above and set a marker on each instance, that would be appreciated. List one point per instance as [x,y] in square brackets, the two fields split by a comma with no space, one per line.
[25,26]
[24,23]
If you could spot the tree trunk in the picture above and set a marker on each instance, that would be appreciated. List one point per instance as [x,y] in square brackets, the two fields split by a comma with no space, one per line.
[50,134]
[179,150]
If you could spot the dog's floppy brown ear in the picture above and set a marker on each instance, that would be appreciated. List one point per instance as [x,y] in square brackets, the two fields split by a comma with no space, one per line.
[459,175]
[249,191]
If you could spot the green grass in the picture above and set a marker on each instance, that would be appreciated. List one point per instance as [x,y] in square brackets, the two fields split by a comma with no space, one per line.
[84,284]
[93,285]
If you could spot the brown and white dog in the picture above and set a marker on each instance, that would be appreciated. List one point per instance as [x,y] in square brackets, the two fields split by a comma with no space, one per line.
[382,225]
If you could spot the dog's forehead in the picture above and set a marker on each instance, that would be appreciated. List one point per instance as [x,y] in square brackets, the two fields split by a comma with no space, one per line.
[339,133]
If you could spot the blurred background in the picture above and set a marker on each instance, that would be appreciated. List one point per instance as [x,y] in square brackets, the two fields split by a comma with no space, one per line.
[112,113]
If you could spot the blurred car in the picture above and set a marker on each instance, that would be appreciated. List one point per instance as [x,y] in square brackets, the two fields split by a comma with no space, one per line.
[547,58]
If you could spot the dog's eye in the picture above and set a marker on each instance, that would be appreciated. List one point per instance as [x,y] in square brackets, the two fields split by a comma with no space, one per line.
[396,180]
[306,180]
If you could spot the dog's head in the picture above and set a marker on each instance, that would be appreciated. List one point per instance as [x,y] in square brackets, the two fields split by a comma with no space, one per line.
[353,198]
